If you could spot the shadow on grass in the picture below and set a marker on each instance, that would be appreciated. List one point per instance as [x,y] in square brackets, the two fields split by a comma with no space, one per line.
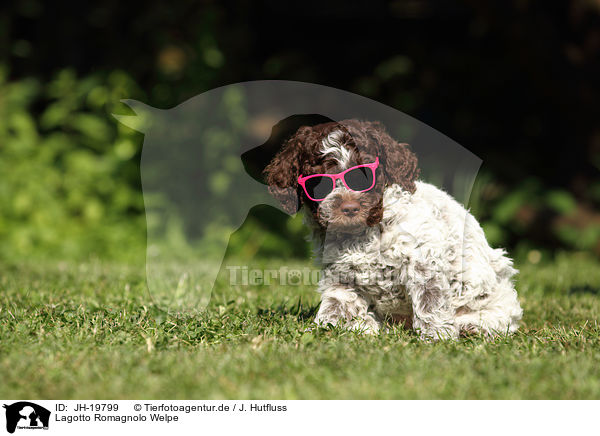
[584,289]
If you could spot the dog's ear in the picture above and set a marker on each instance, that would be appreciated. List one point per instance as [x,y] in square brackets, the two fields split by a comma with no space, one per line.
[282,172]
[397,161]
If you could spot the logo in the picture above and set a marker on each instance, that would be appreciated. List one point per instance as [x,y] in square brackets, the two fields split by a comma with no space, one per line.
[26,415]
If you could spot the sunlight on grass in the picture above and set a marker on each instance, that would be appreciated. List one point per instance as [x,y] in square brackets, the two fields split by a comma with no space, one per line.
[93,331]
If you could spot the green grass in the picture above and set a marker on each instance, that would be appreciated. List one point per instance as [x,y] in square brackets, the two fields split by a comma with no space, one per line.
[91,331]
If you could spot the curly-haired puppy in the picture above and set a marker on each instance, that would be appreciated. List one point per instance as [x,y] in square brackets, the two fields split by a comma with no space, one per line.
[393,248]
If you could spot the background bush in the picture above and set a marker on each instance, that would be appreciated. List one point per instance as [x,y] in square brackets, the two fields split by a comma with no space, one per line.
[515,82]
[70,179]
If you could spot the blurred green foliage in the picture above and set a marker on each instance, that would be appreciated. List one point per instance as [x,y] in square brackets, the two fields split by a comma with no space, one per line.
[523,100]
[534,217]
[69,183]
[70,178]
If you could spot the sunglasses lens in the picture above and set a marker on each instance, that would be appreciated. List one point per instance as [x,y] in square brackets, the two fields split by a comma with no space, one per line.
[318,187]
[359,179]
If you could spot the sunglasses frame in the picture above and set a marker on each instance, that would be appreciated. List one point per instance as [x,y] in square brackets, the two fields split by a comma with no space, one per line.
[373,166]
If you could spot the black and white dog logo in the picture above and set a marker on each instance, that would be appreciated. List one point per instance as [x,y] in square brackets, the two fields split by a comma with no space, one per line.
[26,415]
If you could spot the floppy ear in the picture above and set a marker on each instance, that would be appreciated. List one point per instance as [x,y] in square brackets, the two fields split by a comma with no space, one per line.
[282,173]
[399,164]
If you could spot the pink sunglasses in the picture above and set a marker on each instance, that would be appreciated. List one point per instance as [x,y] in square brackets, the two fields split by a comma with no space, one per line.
[360,178]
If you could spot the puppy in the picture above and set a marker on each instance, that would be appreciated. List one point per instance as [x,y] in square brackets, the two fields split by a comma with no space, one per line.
[392,248]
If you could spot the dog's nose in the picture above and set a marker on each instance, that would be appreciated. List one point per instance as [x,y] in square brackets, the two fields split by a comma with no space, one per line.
[350,207]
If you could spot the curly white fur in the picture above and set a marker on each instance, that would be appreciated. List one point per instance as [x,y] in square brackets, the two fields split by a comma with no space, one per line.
[427,263]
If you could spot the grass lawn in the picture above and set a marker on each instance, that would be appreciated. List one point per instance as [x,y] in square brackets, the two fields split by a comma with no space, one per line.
[91,331]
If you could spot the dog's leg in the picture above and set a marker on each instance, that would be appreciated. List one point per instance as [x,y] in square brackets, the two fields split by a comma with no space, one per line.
[498,313]
[345,307]
[489,303]
[433,316]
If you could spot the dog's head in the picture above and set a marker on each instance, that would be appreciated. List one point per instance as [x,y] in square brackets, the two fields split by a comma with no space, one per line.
[332,149]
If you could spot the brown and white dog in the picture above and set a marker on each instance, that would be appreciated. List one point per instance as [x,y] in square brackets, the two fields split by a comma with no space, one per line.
[401,250]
